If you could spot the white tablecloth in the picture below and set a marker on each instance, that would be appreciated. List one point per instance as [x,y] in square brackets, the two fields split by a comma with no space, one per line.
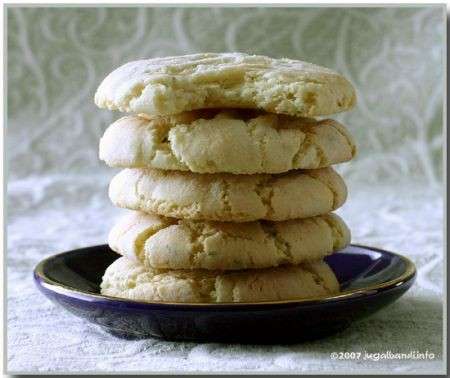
[51,214]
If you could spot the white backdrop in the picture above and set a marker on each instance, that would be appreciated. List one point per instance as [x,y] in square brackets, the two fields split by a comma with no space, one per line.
[57,58]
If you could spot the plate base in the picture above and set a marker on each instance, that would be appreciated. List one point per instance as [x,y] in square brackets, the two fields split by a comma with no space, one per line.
[370,279]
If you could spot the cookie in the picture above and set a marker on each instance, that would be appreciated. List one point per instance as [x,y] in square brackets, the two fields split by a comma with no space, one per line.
[125,278]
[171,85]
[169,243]
[233,141]
[228,197]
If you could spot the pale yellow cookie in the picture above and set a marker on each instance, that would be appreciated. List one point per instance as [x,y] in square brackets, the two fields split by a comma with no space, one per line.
[125,278]
[169,243]
[172,85]
[227,197]
[233,141]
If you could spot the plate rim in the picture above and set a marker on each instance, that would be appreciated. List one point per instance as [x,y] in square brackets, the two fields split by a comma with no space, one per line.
[409,274]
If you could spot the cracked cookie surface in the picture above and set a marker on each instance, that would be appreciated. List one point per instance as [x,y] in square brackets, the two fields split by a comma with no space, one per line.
[171,85]
[228,197]
[233,141]
[167,243]
[125,278]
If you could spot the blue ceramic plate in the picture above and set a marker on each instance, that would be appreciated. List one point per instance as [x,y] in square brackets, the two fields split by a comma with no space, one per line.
[370,279]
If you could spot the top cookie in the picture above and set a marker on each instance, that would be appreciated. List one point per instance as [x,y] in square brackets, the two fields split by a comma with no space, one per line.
[171,85]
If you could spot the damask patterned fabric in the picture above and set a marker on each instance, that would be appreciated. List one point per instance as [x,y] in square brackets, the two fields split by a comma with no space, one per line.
[57,189]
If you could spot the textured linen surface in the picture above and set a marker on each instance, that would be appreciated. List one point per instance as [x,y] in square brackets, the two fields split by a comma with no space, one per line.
[55,214]
[57,187]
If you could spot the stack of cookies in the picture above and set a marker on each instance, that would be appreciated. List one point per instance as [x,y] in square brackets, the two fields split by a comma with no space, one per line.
[227,177]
